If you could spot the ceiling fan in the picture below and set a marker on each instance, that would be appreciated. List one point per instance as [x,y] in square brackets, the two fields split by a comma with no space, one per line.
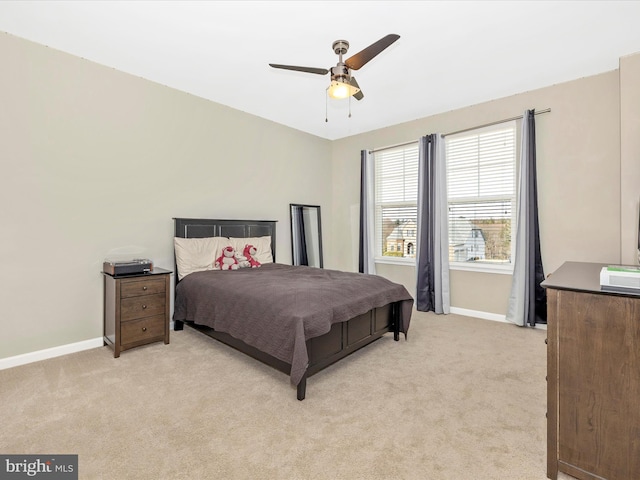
[343,84]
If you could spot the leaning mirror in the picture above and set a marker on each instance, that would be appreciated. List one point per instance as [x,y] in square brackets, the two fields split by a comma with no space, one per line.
[306,235]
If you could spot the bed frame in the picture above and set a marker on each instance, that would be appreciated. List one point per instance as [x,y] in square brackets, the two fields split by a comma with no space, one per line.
[343,339]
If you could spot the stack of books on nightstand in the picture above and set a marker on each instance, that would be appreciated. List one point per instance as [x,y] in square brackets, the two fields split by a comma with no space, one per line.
[623,278]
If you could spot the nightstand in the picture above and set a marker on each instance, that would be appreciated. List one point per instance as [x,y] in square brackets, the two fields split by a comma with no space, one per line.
[136,309]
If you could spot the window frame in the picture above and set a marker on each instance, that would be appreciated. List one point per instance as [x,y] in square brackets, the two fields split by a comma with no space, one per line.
[487,266]
[476,266]
[412,148]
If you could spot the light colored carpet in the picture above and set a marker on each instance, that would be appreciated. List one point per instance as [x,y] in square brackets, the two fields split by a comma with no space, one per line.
[462,398]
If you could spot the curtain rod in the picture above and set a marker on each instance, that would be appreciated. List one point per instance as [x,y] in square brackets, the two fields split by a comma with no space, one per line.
[546,110]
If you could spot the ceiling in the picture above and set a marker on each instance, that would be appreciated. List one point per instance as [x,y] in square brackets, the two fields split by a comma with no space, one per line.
[449,55]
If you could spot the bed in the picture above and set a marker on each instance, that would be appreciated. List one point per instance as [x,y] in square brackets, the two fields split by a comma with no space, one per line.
[299,319]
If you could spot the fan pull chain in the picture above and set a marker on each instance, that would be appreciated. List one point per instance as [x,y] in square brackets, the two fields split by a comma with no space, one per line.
[326,102]
[326,106]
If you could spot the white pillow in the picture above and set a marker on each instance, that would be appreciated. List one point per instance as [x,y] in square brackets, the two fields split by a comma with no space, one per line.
[262,244]
[197,254]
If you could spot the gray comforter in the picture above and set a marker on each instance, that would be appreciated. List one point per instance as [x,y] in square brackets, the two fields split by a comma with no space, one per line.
[276,308]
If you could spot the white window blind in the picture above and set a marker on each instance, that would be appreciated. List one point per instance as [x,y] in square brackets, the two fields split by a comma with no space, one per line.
[481,177]
[396,196]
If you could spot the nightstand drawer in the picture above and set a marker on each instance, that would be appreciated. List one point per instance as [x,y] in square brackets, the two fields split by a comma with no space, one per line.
[142,306]
[144,286]
[142,330]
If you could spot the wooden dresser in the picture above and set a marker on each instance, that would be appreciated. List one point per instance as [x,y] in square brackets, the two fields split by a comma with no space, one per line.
[593,375]
[136,309]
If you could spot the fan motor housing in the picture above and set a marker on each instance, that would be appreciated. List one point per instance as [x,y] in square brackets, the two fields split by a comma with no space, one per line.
[340,70]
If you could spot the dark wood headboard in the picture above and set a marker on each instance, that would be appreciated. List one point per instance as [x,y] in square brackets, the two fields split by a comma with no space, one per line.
[206,227]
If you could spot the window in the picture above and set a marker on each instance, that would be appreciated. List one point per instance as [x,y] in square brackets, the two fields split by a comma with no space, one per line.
[481,186]
[410,250]
[396,197]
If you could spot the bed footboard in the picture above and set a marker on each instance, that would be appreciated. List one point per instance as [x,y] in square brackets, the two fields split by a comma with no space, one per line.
[342,340]
[345,338]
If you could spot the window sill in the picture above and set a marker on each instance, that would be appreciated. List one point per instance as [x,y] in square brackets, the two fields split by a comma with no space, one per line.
[475,267]
[482,268]
[407,262]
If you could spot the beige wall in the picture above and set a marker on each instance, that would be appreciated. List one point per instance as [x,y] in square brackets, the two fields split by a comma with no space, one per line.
[95,163]
[629,155]
[579,177]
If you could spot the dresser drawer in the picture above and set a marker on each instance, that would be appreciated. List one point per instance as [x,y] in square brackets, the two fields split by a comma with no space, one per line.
[141,286]
[142,329]
[142,306]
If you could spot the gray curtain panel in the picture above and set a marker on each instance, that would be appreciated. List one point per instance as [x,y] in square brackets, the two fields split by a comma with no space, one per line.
[528,300]
[432,255]
[366,249]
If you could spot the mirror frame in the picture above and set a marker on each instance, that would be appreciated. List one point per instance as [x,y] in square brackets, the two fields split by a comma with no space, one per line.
[302,207]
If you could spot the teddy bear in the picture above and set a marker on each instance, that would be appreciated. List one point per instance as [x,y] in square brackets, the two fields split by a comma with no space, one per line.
[243,262]
[227,259]
[249,252]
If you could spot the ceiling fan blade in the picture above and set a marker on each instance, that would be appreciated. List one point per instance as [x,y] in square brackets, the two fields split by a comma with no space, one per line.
[359,95]
[359,59]
[319,71]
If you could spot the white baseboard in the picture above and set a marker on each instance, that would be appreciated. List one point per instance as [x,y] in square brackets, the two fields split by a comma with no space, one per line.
[31,357]
[488,316]
[496,317]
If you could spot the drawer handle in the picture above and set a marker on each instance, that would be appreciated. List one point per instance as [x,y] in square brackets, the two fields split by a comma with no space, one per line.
[546,341]
[144,329]
[144,288]
[144,307]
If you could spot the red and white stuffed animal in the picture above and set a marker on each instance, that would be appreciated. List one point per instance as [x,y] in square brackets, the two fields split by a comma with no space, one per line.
[249,252]
[227,259]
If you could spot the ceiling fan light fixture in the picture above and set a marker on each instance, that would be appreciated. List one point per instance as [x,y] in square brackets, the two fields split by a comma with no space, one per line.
[339,89]
[343,84]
